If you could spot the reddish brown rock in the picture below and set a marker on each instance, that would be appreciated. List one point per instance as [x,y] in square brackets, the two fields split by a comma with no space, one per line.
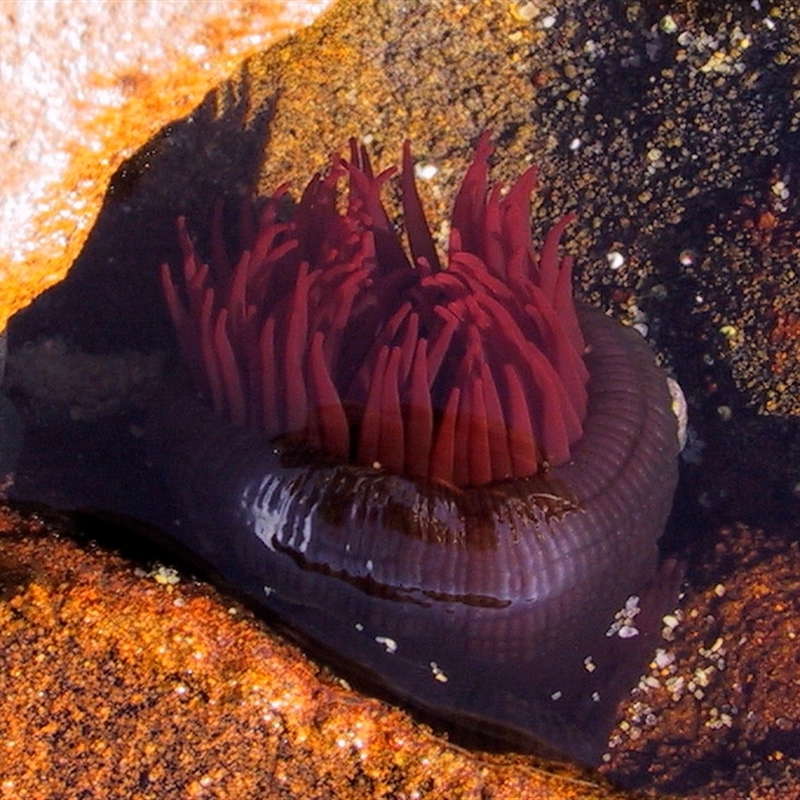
[126,681]
[723,686]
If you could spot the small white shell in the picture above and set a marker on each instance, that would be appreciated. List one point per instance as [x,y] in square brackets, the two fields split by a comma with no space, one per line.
[679,409]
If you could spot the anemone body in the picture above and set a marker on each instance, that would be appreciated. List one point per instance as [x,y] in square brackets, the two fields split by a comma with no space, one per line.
[452,458]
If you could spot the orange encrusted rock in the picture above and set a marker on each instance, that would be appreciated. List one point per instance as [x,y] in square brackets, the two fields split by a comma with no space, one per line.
[127,680]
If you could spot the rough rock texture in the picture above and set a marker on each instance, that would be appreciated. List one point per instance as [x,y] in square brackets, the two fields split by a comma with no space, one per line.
[723,684]
[125,681]
[672,128]
[82,86]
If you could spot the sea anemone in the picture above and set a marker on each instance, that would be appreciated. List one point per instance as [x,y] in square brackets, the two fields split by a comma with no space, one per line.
[442,471]
[327,330]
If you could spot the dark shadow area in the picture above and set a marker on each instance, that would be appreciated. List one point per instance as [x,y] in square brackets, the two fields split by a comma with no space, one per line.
[739,466]
[111,299]
[89,338]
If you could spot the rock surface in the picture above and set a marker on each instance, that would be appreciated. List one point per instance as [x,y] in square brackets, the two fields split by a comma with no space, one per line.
[129,681]
[722,686]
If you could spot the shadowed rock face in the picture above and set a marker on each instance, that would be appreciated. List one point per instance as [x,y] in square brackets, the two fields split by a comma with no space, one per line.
[10,422]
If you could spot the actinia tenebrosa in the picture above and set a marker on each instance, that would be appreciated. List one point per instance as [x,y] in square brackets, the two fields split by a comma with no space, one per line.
[444,472]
